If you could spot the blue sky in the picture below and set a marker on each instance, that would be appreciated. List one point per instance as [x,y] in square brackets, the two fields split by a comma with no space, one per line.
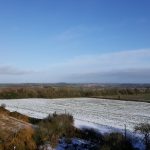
[75,41]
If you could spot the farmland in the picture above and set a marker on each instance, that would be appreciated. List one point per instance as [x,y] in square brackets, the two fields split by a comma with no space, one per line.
[97,113]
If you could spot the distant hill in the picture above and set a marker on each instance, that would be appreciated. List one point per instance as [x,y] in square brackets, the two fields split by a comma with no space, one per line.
[63,84]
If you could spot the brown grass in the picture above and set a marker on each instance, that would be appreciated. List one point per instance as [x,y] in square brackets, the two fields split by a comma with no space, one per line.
[15,132]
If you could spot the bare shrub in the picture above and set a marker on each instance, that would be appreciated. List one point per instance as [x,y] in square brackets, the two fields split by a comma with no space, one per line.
[144,128]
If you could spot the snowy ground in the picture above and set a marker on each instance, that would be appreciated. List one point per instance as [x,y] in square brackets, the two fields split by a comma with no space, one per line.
[91,112]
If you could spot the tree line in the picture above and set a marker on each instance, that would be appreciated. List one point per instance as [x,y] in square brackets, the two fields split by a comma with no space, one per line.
[66,92]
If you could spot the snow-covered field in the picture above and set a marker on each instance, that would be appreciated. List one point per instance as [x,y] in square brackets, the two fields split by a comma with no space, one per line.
[97,113]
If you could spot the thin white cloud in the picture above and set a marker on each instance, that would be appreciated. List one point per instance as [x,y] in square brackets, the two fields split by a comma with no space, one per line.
[124,66]
[74,33]
[10,70]
[132,66]
[140,75]
[106,62]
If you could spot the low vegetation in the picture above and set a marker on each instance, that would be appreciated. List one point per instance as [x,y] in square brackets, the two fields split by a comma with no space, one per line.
[54,127]
[15,131]
[144,128]
[116,141]
[21,140]
[138,94]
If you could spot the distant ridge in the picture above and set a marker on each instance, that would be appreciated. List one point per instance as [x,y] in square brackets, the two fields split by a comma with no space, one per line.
[64,84]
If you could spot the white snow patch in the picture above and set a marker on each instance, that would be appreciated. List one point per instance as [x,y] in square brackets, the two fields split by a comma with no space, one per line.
[96,113]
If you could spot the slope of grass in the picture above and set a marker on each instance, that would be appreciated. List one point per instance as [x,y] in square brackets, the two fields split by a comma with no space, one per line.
[15,132]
